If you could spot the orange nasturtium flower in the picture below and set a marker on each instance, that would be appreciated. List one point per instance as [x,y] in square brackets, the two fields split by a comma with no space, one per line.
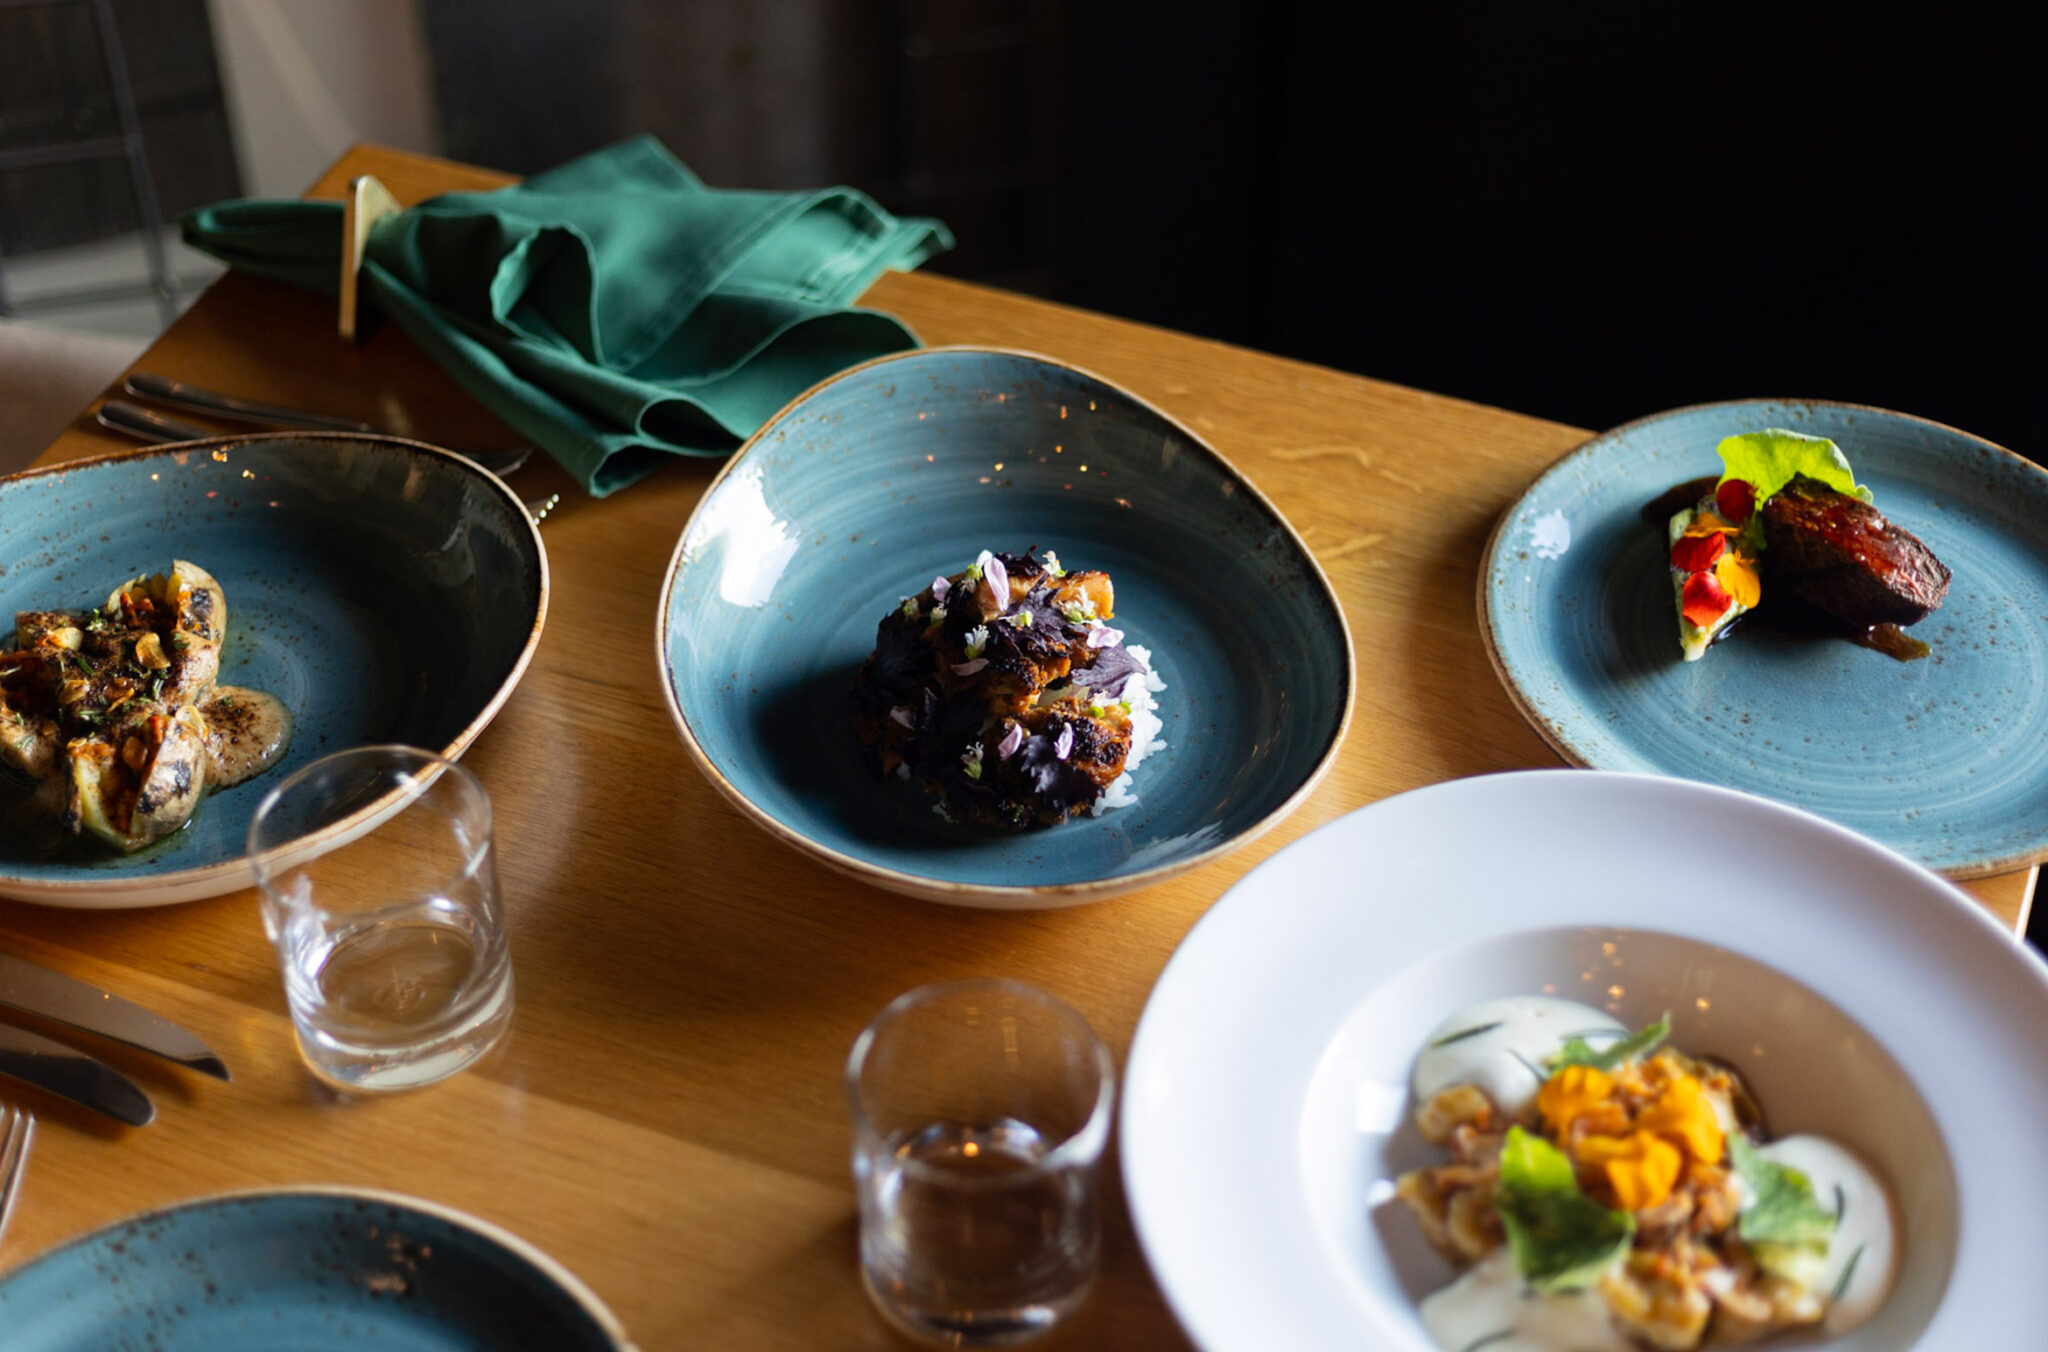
[1685,1116]
[1571,1094]
[1738,578]
[1641,1169]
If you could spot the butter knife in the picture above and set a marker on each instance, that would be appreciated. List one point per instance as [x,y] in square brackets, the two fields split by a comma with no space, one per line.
[69,1073]
[34,989]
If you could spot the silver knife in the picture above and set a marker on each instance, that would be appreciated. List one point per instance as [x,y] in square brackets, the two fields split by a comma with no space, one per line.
[178,394]
[37,990]
[69,1073]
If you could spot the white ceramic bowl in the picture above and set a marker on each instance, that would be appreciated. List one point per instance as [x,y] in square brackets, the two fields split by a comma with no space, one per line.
[1266,1103]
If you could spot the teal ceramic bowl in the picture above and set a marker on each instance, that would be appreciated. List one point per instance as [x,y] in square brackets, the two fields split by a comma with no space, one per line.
[1943,759]
[386,591]
[313,1270]
[882,478]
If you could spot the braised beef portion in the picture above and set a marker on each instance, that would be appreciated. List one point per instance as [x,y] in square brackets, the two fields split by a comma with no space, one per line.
[1841,556]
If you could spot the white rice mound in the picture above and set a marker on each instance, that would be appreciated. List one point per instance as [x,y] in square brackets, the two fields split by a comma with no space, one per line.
[1145,729]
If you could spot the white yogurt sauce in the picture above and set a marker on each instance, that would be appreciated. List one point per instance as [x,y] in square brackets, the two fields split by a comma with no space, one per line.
[1505,1057]
[1865,1227]
[1490,1300]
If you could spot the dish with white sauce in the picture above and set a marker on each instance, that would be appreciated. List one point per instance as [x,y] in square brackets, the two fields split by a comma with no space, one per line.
[1268,1110]
[1606,1192]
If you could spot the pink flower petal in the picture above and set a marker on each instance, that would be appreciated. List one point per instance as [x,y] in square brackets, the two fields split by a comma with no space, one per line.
[998,579]
[940,586]
[1065,745]
[901,715]
[969,668]
[1105,637]
[1012,740]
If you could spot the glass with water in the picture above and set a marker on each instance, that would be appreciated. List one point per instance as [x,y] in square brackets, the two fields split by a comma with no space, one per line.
[380,893]
[980,1112]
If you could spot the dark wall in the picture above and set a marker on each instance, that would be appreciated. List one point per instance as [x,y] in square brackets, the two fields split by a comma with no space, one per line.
[54,92]
[1584,212]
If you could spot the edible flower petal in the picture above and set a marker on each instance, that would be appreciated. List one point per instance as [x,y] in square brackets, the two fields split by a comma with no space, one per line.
[1571,1094]
[997,579]
[1063,746]
[969,668]
[1705,600]
[940,586]
[1697,553]
[1102,636]
[1736,499]
[1738,577]
[1641,1169]
[901,714]
[1012,739]
[1684,1115]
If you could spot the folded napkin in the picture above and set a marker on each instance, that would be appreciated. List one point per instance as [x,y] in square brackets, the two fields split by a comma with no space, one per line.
[615,309]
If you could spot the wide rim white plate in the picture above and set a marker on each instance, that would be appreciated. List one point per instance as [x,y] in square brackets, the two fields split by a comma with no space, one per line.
[1229,1140]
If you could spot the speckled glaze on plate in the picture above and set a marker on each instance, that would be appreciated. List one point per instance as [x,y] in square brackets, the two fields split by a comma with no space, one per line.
[1943,759]
[383,589]
[313,1270]
[895,472]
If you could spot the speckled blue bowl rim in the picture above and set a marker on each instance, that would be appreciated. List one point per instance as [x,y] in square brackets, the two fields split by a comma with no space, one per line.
[230,875]
[1556,737]
[1002,895]
[568,1282]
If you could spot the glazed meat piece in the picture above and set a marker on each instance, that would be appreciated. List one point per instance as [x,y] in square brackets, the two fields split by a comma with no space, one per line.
[1841,556]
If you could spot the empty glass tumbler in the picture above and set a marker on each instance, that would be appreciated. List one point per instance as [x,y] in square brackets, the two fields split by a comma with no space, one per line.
[380,893]
[980,1112]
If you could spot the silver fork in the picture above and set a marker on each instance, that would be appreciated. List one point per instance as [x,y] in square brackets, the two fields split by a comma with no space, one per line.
[17,1131]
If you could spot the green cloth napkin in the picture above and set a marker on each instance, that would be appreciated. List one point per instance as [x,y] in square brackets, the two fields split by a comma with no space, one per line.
[615,309]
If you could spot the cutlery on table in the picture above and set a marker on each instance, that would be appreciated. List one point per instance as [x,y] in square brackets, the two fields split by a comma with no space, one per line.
[146,424]
[178,394]
[17,1132]
[35,989]
[69,1073]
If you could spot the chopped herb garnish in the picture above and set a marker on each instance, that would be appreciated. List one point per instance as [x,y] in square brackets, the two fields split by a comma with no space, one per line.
[1460,1036]
[1847,1272]
[1577,1053]
[909,607]
[1022,619]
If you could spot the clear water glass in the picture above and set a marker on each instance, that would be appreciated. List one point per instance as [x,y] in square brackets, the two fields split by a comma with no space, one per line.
[380,894]
[980,1112]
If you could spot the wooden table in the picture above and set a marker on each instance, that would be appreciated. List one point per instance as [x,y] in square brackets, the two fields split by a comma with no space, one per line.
[667,1117]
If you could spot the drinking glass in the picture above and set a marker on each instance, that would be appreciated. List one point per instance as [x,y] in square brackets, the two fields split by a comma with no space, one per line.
[380,893]
[980,1110]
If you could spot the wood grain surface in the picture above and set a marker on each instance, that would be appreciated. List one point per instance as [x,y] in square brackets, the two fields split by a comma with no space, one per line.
[667,1117]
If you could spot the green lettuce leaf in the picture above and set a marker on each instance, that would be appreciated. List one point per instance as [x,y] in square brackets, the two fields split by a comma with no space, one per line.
[1784,1226]
[1561,1238]
[1576,1052]
[1770,459]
